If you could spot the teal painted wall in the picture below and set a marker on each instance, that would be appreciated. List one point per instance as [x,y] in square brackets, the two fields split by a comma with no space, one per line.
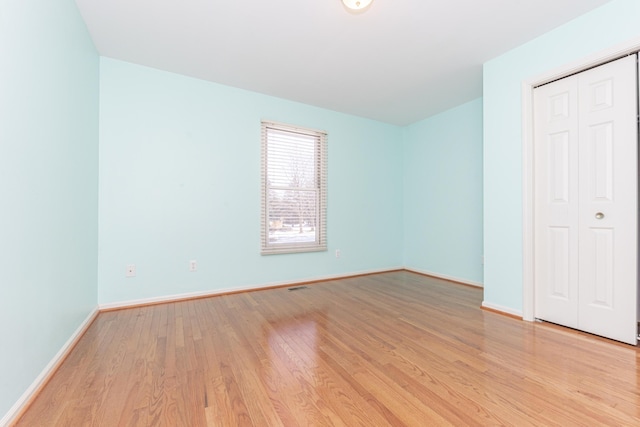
[49,74]
[443,193]
[607,26]
[180,180]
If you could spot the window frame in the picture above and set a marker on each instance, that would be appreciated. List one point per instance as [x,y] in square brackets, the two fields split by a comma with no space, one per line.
[319,188]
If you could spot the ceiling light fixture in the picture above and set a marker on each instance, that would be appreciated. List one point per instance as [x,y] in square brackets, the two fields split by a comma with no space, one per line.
[357,4]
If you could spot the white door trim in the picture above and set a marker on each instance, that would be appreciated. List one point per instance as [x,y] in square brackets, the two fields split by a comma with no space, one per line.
[528,292]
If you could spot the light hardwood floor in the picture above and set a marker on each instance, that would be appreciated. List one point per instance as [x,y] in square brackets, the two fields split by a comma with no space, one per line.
[388,349]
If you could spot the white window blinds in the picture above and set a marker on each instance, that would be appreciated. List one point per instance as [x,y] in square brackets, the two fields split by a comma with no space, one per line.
[294,189]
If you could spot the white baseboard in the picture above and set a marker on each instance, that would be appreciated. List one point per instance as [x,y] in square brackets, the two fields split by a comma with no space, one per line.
[507,310]
[17,409]
[211,293]
[446,277]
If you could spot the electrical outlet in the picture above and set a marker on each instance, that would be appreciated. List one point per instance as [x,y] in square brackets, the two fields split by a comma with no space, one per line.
[337,253]
[193,265]
[130,271]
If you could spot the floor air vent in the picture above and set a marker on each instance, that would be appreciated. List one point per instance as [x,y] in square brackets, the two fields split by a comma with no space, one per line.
[297,288]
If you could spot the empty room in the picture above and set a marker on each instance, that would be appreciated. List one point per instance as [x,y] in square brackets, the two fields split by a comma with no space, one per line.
[337,212]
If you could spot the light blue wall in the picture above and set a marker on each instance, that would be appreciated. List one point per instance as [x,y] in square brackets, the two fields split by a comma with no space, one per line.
[607,26]
[443,193]
[49,74]
[180,180]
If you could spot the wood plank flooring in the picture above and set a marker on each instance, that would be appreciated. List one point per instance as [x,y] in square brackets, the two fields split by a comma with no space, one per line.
[394,349]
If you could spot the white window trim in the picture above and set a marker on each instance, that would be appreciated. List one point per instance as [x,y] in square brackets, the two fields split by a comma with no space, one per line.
[320,244]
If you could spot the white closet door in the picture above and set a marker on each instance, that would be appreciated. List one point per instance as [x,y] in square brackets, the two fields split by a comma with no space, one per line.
[586,201]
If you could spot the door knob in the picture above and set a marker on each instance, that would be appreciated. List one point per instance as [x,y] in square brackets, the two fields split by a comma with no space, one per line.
[599,215]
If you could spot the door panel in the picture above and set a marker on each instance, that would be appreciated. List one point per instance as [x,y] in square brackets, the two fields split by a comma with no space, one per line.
[556,193]
[559,167]
[558,259]
[600,268]
[609,204]
[601,180]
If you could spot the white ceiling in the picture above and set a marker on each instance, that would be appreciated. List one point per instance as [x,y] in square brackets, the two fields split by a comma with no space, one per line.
[398,62]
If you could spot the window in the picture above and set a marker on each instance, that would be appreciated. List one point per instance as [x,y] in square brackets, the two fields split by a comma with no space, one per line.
[294,189]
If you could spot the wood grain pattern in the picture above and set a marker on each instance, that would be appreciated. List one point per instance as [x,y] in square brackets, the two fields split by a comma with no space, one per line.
[396,349]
